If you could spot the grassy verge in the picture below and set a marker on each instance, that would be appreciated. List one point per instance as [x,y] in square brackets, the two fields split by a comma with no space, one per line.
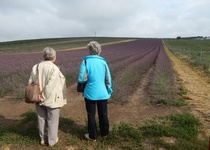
[177,132]
[174,132]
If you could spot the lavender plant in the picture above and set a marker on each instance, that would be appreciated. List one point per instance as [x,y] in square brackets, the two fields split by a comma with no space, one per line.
[162,88]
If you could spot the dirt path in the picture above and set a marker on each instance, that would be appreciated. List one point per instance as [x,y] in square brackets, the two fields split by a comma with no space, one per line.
[197,86]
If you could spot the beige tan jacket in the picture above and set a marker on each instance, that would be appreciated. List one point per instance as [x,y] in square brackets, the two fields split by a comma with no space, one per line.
[52,84]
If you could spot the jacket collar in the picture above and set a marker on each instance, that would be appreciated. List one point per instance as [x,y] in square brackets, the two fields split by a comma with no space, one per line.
[93,57]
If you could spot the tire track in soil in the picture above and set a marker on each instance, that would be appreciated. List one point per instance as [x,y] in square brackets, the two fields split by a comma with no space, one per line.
[197,86]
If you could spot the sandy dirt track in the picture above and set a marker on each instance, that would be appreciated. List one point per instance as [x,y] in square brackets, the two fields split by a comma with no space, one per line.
[197,85]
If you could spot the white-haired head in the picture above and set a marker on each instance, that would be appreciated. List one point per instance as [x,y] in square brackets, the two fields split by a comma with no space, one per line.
[94,48]
[49,53]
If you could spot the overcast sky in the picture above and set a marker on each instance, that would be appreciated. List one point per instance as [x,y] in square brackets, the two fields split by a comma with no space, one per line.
[32,19]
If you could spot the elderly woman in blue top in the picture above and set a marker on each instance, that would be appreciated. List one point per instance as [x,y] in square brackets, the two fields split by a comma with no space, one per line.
[95,72]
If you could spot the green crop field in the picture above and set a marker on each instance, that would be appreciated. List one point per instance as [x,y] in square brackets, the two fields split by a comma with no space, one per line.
[197,52]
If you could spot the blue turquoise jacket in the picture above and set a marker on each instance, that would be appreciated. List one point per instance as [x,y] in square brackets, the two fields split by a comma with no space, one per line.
[95,71]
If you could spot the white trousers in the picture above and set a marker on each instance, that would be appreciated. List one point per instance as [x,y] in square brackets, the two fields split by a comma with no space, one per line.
[48,121]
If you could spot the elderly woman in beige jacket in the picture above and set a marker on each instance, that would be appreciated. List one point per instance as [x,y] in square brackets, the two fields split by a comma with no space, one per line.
[52,97]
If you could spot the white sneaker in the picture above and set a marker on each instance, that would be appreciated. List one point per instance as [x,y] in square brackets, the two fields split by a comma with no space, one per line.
[88,138]
[55,142]
[42,142]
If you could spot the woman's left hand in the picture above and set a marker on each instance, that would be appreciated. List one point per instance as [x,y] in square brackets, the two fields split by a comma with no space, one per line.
[40,97]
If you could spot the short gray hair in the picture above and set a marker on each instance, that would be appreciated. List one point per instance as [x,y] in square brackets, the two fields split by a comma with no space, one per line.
[94,48]
[49,53]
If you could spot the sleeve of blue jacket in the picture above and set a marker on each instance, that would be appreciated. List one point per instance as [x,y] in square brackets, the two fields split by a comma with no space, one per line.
[82,73]
[108,80]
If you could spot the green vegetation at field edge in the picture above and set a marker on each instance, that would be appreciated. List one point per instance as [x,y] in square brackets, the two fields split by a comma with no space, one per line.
[197,52]
[177,132]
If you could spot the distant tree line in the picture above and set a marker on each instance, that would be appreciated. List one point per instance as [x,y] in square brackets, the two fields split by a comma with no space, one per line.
[194,37]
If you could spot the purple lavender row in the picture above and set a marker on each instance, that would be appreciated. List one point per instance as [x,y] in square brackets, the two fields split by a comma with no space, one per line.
[127,80]
[162,81]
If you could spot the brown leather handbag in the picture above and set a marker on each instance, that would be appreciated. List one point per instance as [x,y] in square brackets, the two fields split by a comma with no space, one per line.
[33,90]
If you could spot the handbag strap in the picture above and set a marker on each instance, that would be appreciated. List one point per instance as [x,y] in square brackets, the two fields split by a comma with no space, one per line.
[37,74]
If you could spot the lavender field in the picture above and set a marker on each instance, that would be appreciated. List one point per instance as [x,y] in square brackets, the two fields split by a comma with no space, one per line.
[141,72]
[128,62]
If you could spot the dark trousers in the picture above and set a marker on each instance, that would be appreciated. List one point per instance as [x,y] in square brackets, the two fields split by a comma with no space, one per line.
[102,114]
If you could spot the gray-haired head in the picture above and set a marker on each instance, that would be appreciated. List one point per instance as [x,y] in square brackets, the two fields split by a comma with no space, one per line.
[49,53]
[94,48]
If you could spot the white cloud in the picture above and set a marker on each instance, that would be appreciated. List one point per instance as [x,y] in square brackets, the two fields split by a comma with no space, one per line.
[25,19]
